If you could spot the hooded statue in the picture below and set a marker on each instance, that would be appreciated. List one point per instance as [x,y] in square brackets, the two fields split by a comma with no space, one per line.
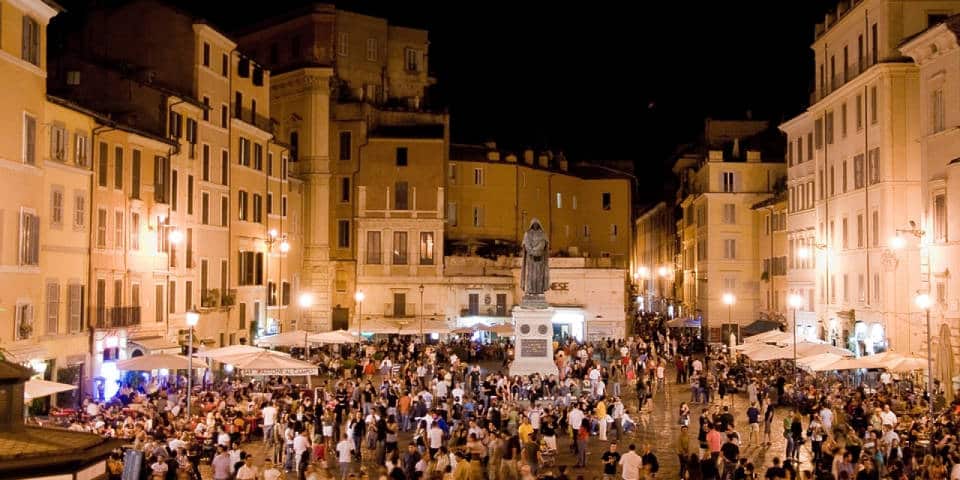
[535,273]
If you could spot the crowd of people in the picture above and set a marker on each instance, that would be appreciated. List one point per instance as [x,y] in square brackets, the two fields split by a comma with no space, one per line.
[403,410]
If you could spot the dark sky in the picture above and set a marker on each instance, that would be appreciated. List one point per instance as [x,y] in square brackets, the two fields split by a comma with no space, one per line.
[599,80]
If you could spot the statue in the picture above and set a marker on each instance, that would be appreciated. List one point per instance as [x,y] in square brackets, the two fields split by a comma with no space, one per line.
[535,273]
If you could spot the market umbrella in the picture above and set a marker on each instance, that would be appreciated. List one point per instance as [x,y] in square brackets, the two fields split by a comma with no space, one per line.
[43,388]
[945,363]
[904,363]
[429,326]
[770,352]
[230,351]
[335,337]
[502,329]
[293,338]
[806,349]
[462,331]
[266,362]
[819,362]
[146,363]
[773,336]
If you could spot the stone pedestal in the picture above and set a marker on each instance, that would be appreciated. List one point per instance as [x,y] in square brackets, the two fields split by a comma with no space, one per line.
[533,348]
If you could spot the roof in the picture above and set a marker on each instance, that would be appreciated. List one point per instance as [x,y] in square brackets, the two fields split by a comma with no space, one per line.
[435,131]
[50,450]
[12,371]
[106,120]
[770,201]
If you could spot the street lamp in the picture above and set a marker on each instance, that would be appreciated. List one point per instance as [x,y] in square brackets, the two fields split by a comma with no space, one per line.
[924,302]
[795,301]
[274,238]
[421,313]
[174,237]
[305,301]
[729,299]
[359,296]
[192,318]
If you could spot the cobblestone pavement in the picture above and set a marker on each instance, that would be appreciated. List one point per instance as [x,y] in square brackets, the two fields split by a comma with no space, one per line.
[661,432]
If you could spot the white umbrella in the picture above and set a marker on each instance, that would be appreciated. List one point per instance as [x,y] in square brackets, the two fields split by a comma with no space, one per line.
[819,362]
[231,351]
[146,363]
[335,337]
[771,336]
[43,388]
[294,338]
[270,363]
[807,349]
[770,352]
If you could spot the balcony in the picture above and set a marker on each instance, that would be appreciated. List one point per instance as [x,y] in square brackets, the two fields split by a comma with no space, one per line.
[114,317]
[253,118]
[852,71]
[488,311]
[399,311]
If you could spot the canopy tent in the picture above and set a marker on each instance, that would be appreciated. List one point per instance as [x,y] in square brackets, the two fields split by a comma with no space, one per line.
[293,338]
[337,337]
[904,363]
[146,363]
[760,326]
[375,325]
[746,348]
[266,362]
[684,323]
[43,388]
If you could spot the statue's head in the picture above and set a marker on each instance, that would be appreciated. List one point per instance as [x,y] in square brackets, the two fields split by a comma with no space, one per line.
[535,224]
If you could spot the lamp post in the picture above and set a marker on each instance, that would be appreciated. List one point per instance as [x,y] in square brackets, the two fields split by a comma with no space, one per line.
[273,239]
[174,237]
[305,301]
[421,314]
[729,299]
[359,296]
[795,301]
[192,318]
[924,302]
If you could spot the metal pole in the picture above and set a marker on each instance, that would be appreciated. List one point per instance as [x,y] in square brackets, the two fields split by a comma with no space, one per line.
[421,315]
[359,320]
[796,370]
[189,371]
[929,365]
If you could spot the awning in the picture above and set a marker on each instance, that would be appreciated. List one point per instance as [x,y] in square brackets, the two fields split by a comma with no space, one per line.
[760,326]
[156,345]
[24,352]
[43,388]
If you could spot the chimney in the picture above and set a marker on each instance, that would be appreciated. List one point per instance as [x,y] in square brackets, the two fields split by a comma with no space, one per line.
[715,156]
[511,158]
[753,156]
[562,161]
[528,156]
[736,148]
[543,160]
[490,145]
[493,156]
[828,20]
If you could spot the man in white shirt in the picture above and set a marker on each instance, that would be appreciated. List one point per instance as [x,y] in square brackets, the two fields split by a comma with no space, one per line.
[575,418]
[223,439]
[826,418]
[301,445]
[887,416]
[344,451]
[269,413]
[630,464]
[248,471]
[697,366]
[435,435]
[270,471]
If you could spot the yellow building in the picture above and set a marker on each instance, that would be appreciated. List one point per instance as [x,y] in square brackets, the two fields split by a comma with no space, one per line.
[769,228]
[654,268]
[736,166]
[492,197]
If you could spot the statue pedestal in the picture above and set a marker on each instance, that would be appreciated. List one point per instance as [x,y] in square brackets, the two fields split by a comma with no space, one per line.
[533,347]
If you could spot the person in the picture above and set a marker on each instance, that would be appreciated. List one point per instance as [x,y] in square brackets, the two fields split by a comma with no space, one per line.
[270,471]
[610,460]
[649,461]
[248,471]
[301,447]
[410,460]
[583,434]
[344,455]
[753,418]
[222,466]
[683,449]
[630,464]
[775,472]
[158,469]
[714,442]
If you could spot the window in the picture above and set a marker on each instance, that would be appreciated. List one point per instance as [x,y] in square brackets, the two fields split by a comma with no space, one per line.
[559,200]
[238,105]
[80,150]
[192,138]
[134,231]
[283,167]
[258,156]
[271,294]
[224,115]
[573,202]
[205,208]
[413,59]
[343,43]
[206,54]
[189,194]
[243,157]
[250,268]
[257,208]
[283,206]
[285,293]
[940,217]
[452,213]
[846,288]
[29,139]
[372,49]
[613,230]
[859,120]
[56,207]
[859,177]
[477,216]
[452,173]
[158,303]
[343,233]
[846,243]
[102,228]
[828,124]
[800,149]
[24,321]
[876,228]
[224,268]
[729,213]
[206,109]
[873,104]
[242,205]
[861,289]
[875,54]
[843,117]
[843,176]
[374,251]
[58,143]
[876,288]
[606,199]
[729,249]
[346,140]
[224,210]
[205,170]
[473,303]
[79,210]
[270,164]
[426,248]
[860,231]
[937,121]
[269,203]
[135,176]
[727,178]
[399,248]
[345,190]
[118,229]
[74,307]
[478,176]
[833,184]
[187,295]
[53,307]
[790,153]
[30,46]
[224,167]
[294,145]
[400,196]
[941,292]
[401,156]
[174,194]
[818,133]
[874,165]
[399,304]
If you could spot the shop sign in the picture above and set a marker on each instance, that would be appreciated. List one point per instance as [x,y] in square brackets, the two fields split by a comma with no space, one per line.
[560,286]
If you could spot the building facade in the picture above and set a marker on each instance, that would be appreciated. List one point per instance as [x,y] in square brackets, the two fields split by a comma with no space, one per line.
[737,165]
[769,227]
[855,180]
[654,266]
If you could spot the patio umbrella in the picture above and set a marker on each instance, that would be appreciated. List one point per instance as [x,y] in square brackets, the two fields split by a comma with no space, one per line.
[819,362]
[157,361]
[266,362]
[294,338]
[335,337]
[806,349]
[773,336]
[429,326]
[770,352]
[904,363]
[462,331]
[945,362]
[230,351]
[43,388]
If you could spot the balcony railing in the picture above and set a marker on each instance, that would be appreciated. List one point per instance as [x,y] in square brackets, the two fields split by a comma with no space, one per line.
[114,317]
[852,71]
[488,311]
[253,118]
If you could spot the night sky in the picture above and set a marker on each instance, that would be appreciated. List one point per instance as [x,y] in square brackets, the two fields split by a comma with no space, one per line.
[598,80]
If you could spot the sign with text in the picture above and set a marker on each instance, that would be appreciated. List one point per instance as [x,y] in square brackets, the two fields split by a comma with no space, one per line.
[560,286]
[290,372]
[533,347]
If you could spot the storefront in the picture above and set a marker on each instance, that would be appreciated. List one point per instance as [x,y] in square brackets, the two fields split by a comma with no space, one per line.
[108,347]
[567,323]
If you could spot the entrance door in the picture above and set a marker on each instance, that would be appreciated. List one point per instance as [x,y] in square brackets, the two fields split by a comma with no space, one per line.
[473,304]
[399,304]
[501,304]
[341,318]
[561,331]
